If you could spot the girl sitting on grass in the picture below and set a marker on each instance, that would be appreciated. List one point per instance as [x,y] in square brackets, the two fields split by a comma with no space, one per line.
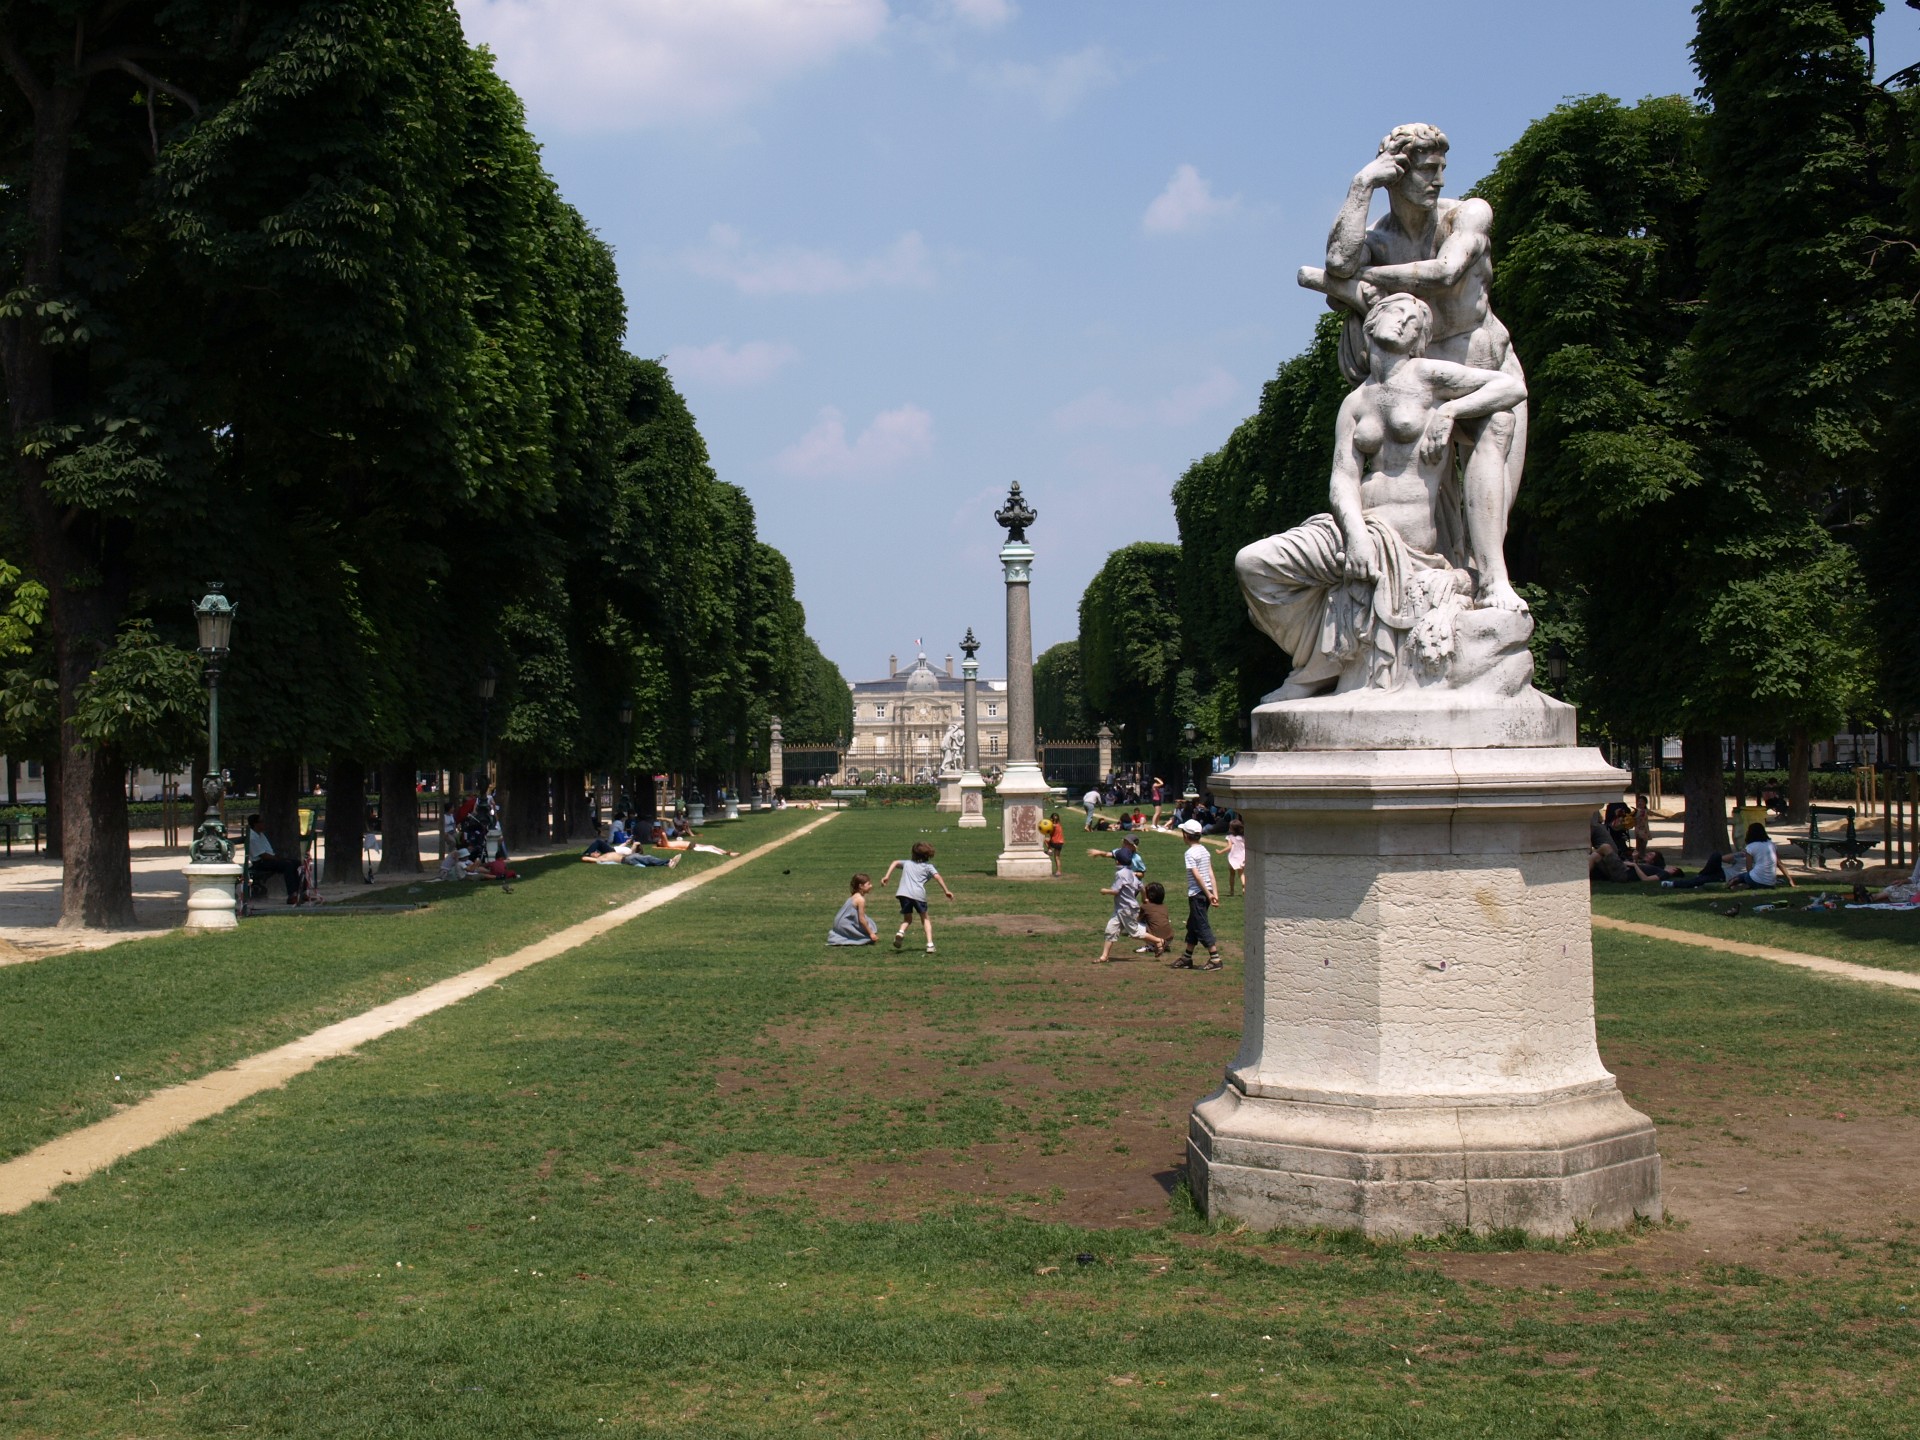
[851,926]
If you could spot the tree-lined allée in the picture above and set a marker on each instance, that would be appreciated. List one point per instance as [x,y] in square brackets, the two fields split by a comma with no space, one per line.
[291,303]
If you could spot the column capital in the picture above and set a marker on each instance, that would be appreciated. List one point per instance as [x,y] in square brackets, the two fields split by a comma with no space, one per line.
[1016,560]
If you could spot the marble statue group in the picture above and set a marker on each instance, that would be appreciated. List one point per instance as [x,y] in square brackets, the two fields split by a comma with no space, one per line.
[1376,594]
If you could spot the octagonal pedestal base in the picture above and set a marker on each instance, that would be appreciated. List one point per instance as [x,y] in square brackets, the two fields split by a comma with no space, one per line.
[1418,1050]
[210,896]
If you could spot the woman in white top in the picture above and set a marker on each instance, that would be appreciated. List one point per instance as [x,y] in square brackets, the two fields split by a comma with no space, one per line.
[1763,861]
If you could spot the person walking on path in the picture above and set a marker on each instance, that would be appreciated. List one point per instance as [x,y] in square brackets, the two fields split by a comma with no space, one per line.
[1159,794]
[1056,839]
[1125,922]
[1202,896]
[852,926]
[1090,800]
[912,894]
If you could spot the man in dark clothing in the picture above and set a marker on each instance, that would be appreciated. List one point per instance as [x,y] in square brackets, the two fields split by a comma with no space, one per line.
[261,860]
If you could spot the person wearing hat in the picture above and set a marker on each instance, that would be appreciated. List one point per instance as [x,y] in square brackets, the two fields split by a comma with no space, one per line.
[1127,853]
[1202,895]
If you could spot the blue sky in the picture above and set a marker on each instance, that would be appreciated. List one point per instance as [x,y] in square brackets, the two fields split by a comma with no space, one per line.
[900,253]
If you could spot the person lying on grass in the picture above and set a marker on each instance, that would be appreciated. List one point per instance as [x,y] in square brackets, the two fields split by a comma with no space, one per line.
[912,893]
[1124,924]
[627,855]
[852,926]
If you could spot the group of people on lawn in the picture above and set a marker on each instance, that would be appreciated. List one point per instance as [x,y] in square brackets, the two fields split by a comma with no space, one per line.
[628,841]
[1139,906]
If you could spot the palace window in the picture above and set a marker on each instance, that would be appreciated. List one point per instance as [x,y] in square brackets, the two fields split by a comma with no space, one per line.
[879,712]
[993,710]
[993,744]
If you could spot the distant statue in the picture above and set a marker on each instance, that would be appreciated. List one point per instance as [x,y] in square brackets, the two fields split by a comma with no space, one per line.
[1367,597]
[953,746]
[1441,251]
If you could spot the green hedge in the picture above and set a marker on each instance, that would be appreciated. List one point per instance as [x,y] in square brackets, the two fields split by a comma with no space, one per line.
[876,794]
[1824,784]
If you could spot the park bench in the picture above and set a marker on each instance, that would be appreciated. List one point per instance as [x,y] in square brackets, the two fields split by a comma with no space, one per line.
[849,797]
[1842,836]
[22,827]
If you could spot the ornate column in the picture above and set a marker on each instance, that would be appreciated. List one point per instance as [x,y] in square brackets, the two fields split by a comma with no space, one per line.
[973,789]
[1023,789]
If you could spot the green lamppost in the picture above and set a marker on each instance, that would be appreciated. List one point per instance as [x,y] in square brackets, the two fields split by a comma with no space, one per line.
[1191,735]
[213,617]
[626,758]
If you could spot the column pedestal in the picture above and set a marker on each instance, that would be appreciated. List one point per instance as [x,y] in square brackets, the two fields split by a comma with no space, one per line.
[1024,794]
[973,801]
[210,899]
[1418,1051]
[949,799]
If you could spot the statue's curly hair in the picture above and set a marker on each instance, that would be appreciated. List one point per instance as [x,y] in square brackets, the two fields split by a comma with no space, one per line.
[1405,139]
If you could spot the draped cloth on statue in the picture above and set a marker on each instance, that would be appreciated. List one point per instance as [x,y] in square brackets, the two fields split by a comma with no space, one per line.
[1356,633]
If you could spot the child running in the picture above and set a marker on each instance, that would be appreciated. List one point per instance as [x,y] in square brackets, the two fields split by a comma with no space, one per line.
[1202,896]
[912,893]
[1236,857]
[1125,922]
[851,926]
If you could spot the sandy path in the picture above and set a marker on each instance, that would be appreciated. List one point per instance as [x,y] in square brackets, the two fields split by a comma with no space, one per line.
[73,1157]
[1900,980]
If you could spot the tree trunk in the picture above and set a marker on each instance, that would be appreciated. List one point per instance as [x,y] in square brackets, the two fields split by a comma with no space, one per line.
[523,796]
[51,776]
[1800,777]
[346,820]
[1703,782]
[645,799]
[580,807]
[280,803]
[399,818]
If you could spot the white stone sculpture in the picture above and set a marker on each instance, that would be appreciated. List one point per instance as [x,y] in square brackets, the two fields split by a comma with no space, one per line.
[1418,1051]
[953,749]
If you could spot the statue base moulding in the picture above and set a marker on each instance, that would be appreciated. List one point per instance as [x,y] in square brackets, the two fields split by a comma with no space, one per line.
[1418,1051]
[1024,795]
[210,896]
[949,801]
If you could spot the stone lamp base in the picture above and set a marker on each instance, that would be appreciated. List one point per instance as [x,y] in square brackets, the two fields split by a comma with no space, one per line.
[973,801]
[210,897]
[1418,1051]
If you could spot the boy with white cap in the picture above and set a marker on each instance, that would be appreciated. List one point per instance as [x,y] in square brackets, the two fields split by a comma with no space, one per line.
[1202,895]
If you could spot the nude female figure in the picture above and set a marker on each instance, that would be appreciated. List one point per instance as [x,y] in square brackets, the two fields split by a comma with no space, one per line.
[1441,251]
[1355,595]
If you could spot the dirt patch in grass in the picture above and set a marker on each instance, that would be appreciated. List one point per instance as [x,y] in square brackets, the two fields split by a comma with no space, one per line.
[1012,924]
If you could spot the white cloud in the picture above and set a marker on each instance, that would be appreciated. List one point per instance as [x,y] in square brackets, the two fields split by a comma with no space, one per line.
[894,438]
[1061,83]
[1187,204]
[791,270]
[1102,410]
[731,366]
[613,65]
[983,14]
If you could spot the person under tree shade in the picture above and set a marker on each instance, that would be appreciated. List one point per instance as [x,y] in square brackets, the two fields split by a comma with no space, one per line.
[262,860]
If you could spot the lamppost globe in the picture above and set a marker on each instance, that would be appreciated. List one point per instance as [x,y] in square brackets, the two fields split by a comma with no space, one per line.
[489,680]
[626,712]
[213,619]
[1557,658]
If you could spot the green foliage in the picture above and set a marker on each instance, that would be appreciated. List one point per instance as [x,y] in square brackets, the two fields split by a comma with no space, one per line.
[1131,653]
[1269,476]
[144,701]
[1060,706]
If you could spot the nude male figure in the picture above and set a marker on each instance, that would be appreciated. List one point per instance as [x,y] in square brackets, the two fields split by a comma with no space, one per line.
[1439,250]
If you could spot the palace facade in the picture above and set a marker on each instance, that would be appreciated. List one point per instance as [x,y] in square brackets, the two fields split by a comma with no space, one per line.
[900,722]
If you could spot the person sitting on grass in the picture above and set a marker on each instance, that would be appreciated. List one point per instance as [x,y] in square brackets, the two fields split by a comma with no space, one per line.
[1124,924]
[912,893]
[1902,892]
[852,926]
[1762,871]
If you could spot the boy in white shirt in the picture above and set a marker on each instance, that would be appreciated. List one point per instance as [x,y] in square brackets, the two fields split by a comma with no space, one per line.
[1202,895]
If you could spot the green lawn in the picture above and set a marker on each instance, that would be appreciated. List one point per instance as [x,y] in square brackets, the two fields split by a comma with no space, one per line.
[1885,938]
[85,1033]
[704,1177]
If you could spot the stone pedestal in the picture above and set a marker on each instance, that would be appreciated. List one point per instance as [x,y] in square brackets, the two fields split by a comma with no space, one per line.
[973,801]
[210,896]
[949,799]
[696,812]
[1023,795]
[1418,1051]
[733,806]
